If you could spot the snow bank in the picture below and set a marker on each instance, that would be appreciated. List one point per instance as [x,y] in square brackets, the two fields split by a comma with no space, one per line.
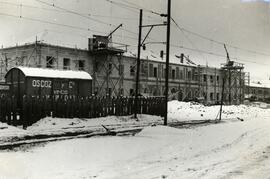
[185,111]
[56,125]
[7,132]
[177,111]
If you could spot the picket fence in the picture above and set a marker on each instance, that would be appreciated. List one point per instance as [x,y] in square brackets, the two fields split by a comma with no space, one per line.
[29,110]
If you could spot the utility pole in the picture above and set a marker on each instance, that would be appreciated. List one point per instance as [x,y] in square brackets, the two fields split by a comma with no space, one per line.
[222,95]
[138,64]
[167,61]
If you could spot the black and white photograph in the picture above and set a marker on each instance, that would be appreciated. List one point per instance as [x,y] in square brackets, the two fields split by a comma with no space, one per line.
[134,89]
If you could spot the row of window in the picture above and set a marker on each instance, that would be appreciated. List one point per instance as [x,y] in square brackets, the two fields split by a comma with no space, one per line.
[211,78]
[257,91]
[159,72]
[52,63]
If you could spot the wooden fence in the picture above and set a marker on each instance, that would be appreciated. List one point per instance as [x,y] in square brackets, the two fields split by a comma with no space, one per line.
[31,109]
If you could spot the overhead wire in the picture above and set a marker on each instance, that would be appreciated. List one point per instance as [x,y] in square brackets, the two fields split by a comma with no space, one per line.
[83,15]
[218,55]
[220,42]
[49,22]
[61,11]
[190,41]
[29,6]
[126,6]
[133,8]
[211,53]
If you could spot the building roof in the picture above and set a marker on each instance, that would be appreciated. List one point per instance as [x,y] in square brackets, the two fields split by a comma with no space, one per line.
[150,55]
[54,73]
[260,84]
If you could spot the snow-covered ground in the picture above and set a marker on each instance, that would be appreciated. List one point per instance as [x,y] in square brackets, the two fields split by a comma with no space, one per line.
[230,149]
[194,111]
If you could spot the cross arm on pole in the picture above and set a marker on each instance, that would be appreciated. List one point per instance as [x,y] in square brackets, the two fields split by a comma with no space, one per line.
[147,35]
[151,28]
[115,30]
[154,25]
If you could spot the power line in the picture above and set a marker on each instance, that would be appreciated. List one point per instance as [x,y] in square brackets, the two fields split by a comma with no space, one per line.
[136,6]
[218,55]
[61,11]
[28,6]
[86,36]
[219,42]
[209,53]
[59,24]
[83,15]
[48,22]
[74,12]
[187,37]
[132,8]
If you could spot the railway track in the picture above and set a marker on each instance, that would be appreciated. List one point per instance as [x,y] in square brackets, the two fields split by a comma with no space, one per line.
[113,131]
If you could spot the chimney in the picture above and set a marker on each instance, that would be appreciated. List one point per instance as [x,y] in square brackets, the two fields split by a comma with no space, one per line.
[162,54]
[182,58]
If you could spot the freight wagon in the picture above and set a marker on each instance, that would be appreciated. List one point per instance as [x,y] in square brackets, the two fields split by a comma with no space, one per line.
[48,82]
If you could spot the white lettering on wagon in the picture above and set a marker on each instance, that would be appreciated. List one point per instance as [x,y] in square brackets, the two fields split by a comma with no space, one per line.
[41,83]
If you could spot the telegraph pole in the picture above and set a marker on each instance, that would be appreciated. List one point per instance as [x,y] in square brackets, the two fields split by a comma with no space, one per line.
[167,61]
[222,96]
[138,64]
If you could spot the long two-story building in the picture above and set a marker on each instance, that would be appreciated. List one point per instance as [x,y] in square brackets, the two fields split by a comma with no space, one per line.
[114,71]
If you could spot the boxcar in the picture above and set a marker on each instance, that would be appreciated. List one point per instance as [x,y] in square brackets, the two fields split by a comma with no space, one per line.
[48,82]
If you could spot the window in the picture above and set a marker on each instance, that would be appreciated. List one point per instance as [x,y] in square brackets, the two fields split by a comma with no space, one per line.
[211,96]
[193,74]
[185,74]
[170,72]
[217,79]
[189,75]
[205,78]
[121,91]
[50,62]
[155,72]
[217,96]
[121,69]
[144,69]
[205,95]
[159,71]
[145,90]
[81,64]
[173,74]
[21,60]
[131,92]
[177,73]
[66,63]
[211,78]
[163,72]
[151,70]
[132,71]
[181,74]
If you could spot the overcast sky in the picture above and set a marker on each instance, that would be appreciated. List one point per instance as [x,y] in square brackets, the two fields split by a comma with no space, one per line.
[241,23]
